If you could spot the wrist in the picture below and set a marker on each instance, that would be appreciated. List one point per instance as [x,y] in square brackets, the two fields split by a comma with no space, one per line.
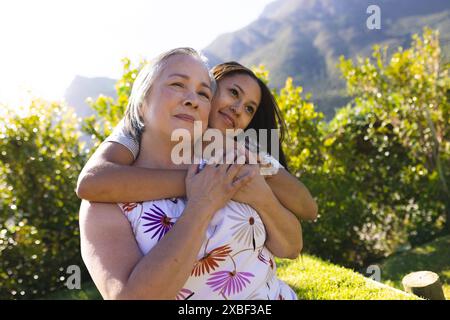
[200,207]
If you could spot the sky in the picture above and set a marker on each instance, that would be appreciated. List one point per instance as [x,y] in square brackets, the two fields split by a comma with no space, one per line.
[45,43]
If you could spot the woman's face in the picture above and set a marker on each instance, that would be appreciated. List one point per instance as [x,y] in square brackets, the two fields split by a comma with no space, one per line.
[235,102]
[180,95]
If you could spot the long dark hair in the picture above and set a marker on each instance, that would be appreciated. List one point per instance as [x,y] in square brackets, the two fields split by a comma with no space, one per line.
[268,115]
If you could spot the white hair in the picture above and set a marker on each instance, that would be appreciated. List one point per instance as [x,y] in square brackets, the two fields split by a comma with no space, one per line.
[134,124]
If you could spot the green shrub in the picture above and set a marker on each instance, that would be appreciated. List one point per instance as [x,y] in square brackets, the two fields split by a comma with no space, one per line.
[378,170]
[40,160]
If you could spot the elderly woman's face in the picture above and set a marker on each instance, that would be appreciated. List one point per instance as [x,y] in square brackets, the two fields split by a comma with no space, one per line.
[180,95]
[235,102]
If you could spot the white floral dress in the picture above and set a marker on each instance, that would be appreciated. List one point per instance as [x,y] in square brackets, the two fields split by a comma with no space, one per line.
[232,264]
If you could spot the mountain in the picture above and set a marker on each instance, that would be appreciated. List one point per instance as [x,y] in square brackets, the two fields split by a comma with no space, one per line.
[82,88]
[304,39]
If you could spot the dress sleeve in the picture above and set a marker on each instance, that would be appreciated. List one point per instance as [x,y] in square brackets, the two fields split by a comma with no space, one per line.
[270,165]
[119,135]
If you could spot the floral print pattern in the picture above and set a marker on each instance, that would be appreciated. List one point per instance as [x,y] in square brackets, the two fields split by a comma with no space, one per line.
[209,262]
[184,294]
[229,282]
[127,207]
[247,227]
[159,222]
[232,263]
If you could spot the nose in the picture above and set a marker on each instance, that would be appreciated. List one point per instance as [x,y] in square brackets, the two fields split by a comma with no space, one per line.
[236,108]
[191,100]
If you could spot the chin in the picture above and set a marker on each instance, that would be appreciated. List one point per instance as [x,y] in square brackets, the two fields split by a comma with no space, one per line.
[218,124]
[187,127]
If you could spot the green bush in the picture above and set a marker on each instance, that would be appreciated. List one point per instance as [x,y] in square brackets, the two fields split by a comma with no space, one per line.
[379,169]
[40,160]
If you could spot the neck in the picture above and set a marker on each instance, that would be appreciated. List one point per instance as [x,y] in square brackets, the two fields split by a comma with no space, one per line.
[155,152]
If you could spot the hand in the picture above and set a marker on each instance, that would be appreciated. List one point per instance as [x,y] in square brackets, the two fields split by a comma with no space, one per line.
[255,191]
[215,185]
[268,166]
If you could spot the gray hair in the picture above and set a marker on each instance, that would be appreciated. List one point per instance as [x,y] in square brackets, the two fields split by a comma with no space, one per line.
[133,122]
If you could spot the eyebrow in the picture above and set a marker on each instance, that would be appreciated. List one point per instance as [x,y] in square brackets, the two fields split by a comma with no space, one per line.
[184,76]
[243,92]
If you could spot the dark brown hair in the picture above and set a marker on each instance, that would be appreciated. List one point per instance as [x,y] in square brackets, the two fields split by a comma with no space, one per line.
[268,115]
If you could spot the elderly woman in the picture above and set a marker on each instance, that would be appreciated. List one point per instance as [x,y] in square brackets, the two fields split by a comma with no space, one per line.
[225,256]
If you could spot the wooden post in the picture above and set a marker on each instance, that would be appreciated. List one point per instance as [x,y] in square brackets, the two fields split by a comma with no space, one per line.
[425,284]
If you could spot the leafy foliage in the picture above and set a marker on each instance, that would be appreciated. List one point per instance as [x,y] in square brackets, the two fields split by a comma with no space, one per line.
[379,170]
[40,161]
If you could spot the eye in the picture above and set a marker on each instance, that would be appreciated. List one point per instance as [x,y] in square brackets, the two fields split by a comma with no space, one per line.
[234,92]
[250,109]
[177,84]
[204,94]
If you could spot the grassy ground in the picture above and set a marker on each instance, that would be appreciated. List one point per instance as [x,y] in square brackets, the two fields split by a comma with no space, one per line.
[313,278]
[433,256]
[310,277]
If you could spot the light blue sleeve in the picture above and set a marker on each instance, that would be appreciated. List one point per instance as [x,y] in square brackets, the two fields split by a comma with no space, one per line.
[120,136]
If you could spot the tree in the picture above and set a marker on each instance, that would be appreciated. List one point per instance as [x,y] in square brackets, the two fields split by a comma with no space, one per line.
[40,157]
[411,91]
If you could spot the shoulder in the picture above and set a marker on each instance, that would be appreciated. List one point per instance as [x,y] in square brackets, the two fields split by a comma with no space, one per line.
[96,212]
[119,135]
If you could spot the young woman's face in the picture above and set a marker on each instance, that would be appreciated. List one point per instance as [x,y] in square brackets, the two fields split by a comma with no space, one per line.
[180,95]
[235,102]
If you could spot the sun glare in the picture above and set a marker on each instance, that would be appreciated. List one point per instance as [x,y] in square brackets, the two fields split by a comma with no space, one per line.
[46,43]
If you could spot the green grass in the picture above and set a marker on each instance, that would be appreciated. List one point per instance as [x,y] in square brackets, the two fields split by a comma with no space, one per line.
[433,256]
[310,277]
[315,279]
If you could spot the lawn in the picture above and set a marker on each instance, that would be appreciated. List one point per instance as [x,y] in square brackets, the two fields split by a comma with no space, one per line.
[315,279]
[310,277]
[433,256]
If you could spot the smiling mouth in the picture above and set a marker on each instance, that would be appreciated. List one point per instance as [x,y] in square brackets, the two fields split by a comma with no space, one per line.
[185,117]
[228,119]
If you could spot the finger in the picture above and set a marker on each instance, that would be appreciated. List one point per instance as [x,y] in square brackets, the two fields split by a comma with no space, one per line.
[233,171]
[223,168]
[210,167]
[214,161]
[242,181]
[192,170]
